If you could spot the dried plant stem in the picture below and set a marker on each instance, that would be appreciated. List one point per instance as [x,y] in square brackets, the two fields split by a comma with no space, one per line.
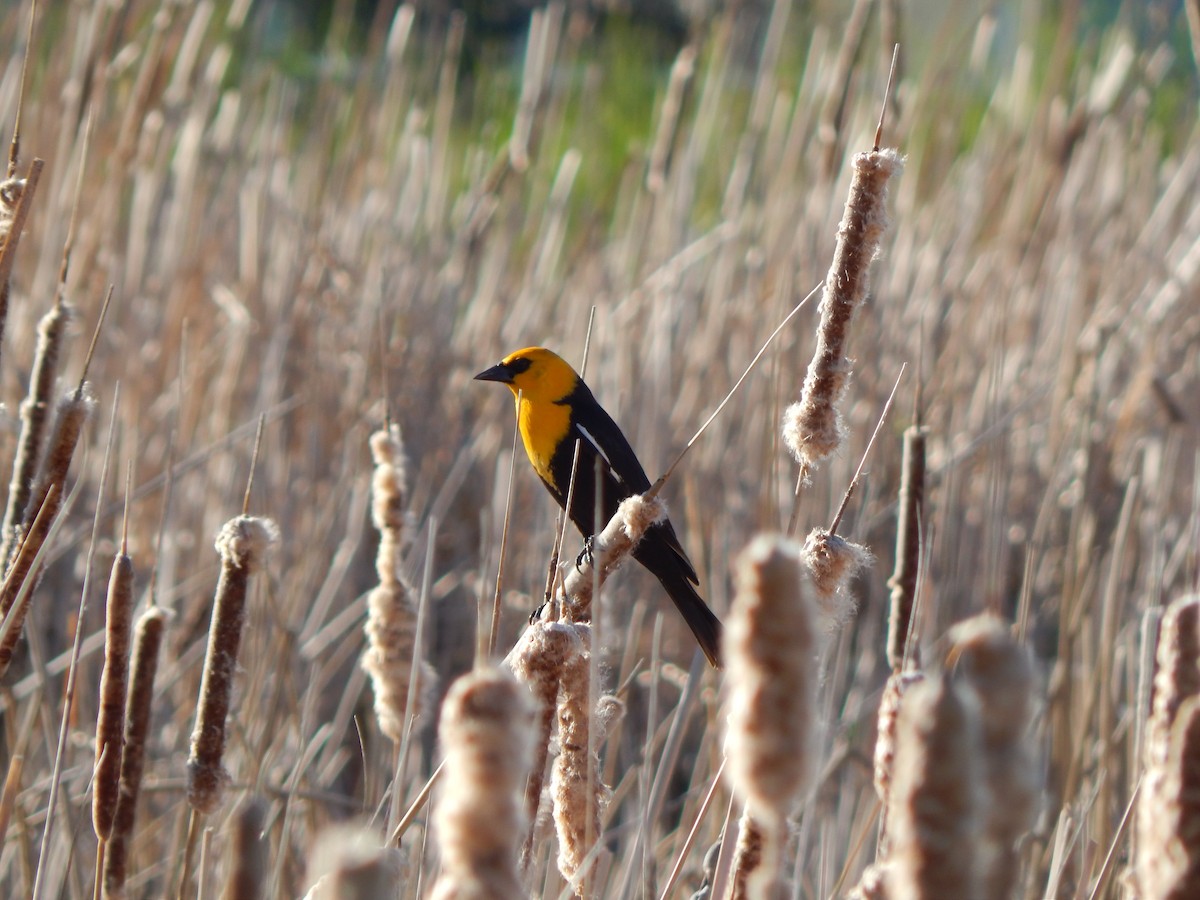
[903,582]
[39,883]
[146,644]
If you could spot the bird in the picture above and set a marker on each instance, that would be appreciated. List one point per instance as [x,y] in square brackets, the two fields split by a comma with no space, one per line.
[555,411]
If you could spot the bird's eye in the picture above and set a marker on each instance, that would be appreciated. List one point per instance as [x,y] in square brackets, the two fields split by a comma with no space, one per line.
[519,365]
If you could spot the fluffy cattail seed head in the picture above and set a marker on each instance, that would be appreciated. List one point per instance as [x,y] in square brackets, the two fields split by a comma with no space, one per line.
[771,665]
[480,820]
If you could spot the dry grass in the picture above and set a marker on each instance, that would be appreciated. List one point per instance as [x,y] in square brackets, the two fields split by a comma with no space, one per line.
[339,249]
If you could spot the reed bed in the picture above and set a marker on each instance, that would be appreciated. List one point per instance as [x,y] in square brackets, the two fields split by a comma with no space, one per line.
[323,249]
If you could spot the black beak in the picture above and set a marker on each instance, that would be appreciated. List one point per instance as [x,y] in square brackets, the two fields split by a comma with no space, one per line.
[499,372]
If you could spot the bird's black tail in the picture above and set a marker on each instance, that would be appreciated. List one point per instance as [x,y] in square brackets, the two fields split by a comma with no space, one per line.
[663,562]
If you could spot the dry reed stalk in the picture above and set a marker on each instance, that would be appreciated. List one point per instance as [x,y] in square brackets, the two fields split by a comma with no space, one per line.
[15,596]
[934,802]
[538,661]
[668,118]
[146,644]
[771,694]
[576,789]
[243,543]
[486,728]
[348,863]
[812,427]
[114,683]
[609,550]
[51,330]
[832,561]
[248,868]
[1000,673]
[391,625]
[903,582]
[1159,856]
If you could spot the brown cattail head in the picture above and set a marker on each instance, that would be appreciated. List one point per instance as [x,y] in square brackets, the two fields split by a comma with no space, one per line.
[1169,850]
[72,414]
[610,548]
[903,582]
[750,878]
[114,683]
[576,809]
[833,561]
[933,807]
[34,410]
[897,686]
[772,679]
[1163,857]
[348,863]
[812,428]
[999,672]
[391,625]
[248,869]
[872,885]
[243,543]
[146,644]
[480,820]
[538,661]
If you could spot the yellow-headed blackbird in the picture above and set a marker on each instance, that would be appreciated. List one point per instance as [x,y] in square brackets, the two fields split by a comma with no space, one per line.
[555,409]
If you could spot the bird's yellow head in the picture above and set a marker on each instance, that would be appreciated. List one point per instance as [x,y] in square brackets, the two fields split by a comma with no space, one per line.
[541,375]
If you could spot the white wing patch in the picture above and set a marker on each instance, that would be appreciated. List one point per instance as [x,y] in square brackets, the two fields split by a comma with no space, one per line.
[587,436]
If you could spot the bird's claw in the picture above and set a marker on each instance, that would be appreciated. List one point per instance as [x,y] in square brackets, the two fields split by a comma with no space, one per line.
[585,555]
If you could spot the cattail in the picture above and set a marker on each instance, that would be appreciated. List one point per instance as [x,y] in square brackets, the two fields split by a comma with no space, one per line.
[146,644]
[73,412]
[480,819]
[248,869]
[610,548]
[934,804]
[897,686]
[872,885]
[114,683]
[391,625]
[538,661]
[576,808]
[747,856]
[999,671]
[772,685]
[34,408]
[16,199]
[833,561]
[903,582]
[242,543]
[812,428]
[348,864]
[1169,847]
[1159,860]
